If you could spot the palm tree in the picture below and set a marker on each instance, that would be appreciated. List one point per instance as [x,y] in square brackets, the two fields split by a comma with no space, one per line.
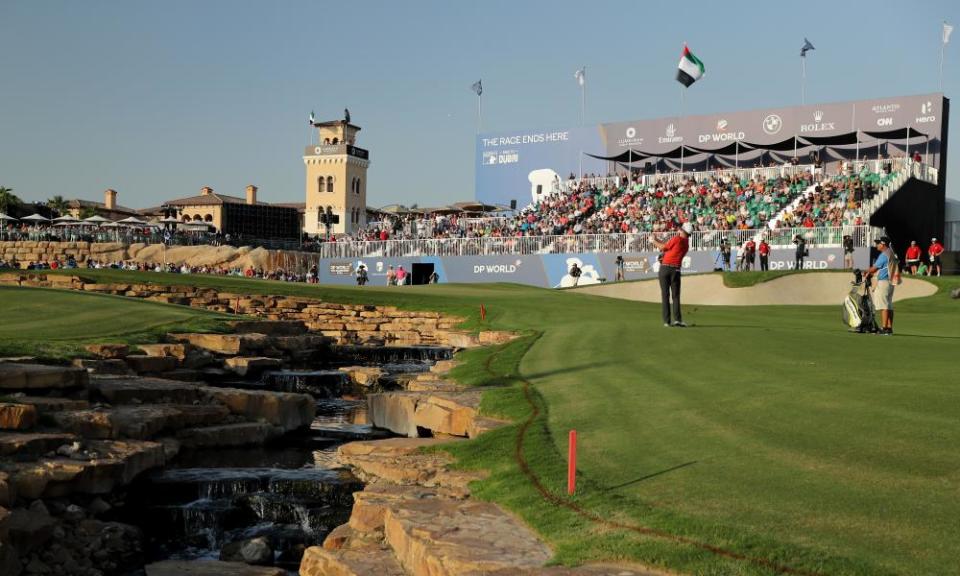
[58,205]
[8,199]
[87,212]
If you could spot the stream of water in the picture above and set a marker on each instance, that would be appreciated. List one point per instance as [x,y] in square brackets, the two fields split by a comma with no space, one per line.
[289,491]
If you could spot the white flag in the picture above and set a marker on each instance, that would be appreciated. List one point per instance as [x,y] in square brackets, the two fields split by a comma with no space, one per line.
[947,29]
[581,76]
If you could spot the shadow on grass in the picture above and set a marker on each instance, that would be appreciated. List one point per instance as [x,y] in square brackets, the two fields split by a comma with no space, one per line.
[649,476]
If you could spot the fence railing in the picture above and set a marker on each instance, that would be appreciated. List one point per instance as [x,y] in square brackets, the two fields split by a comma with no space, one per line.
[583,243]
[904,169]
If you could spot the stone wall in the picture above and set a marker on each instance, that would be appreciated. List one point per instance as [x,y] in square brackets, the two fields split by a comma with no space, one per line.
[25,252]
[346,323]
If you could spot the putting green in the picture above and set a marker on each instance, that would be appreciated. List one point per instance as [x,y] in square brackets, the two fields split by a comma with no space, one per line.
[761,439]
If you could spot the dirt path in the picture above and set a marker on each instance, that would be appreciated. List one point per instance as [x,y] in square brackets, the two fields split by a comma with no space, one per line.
[812,289]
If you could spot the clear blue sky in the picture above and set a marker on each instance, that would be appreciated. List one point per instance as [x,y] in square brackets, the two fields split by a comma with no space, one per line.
[159,98]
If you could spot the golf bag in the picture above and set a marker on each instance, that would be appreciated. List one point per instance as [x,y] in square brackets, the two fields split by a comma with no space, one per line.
[858,312]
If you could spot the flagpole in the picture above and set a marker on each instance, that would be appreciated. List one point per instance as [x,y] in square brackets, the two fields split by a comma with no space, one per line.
[682,111]
[479,112]
[803,79]
[583,96]
[942,46]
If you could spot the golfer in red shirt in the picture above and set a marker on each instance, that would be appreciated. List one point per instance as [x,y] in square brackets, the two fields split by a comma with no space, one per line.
[673,250]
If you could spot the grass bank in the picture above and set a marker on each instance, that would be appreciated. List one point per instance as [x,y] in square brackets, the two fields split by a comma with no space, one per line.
[764,439]
[54,324]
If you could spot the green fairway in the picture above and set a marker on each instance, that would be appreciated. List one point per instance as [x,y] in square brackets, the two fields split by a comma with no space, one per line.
[55,324]
[763,439]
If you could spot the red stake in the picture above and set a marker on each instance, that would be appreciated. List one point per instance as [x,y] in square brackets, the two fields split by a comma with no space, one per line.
[572,463]
[483,313]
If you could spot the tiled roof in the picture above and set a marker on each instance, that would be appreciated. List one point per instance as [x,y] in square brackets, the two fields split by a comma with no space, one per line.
[78,203]
[212,199]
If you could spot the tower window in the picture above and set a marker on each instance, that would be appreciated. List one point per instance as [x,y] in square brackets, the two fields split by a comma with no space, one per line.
[329,183]
[358,185]
[319,183]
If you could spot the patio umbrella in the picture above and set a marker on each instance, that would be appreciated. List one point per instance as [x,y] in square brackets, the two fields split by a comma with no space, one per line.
[35,218]
[96,220]
[131,220]
[5,218]
[65,218]
[169,220]
[114,225]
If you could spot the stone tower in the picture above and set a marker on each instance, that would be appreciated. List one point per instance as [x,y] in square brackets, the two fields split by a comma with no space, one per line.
[336,178]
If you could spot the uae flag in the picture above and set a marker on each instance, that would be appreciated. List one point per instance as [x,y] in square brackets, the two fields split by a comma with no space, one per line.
[690,69]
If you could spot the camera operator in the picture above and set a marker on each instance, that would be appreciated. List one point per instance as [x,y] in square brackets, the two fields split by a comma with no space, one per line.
[801,251]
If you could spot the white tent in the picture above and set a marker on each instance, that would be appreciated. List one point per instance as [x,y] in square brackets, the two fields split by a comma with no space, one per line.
[35,218]
[131,220]
[97,219]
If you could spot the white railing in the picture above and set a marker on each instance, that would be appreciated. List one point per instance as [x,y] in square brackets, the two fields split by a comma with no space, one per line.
[762,173]
[904,169]
[583,243]
[600,182]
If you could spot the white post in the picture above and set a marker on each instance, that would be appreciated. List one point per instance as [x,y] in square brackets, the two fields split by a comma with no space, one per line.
[940,82]
[803,79]
[583,98]
[736,154]
[908,143]
[479,113]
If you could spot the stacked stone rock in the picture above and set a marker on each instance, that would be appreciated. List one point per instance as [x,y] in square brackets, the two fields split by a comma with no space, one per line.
[344,323]
[215,256]
[69,440]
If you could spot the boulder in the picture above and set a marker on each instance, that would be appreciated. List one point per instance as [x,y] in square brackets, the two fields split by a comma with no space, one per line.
[17,416]
[8,490]
[108,351]
[114,366]
[251,365]
[428,537]
[231,344]
[364,375]
[178,351]
[955,293]
[241,434]
[208,568]
[408,412]
[368,560]
[151,364]
[27,444]
[9,560]
[28,530]
[124,390]
[48,404]
[286,410]
[15,376]
[255,551]
[116,464]
[269,327]
[138,422]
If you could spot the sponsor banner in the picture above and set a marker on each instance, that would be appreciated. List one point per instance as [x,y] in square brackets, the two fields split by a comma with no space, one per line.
[524,165]
[553,270]
[517,269]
